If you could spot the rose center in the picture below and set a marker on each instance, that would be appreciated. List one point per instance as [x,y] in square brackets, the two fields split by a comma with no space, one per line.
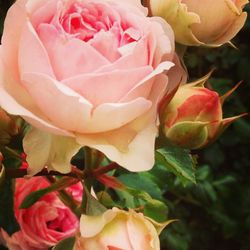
[84,20]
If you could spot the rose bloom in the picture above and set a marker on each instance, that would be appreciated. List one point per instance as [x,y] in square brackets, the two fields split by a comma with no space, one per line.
[118,230]
[90,70]
[46,222]
[206,22]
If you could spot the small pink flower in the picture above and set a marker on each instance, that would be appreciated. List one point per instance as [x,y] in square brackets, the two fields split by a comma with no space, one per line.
[46,222]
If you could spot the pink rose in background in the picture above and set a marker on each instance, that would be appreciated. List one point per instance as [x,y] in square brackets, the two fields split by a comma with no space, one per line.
[46,222]
[91,70]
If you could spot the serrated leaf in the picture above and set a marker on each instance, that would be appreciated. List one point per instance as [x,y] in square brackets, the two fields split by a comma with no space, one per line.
[178,161]
[66,244]
[155,209]
[141,181]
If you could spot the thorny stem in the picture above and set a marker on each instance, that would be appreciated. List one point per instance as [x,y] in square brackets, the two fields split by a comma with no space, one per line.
[14,173]
[102,170]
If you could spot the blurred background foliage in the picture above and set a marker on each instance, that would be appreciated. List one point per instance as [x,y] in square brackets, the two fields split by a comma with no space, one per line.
[213,214]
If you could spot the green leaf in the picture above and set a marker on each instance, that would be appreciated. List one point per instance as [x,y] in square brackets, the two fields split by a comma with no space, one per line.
[141,181]
[66,244]
[156,210]
[106,199]
[33,197]
[178,161]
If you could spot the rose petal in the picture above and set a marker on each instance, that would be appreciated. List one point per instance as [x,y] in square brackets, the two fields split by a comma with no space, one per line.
[113,85]
[13,24]
[78,54]
[32,54]
[75,110]
[27,109]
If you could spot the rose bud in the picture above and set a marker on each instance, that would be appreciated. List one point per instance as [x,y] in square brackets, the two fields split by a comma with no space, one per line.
[118,229]
[206,22]
[193,118]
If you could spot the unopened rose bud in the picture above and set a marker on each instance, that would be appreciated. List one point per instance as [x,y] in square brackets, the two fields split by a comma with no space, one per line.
[206,22]
[193,118]
[118,229]
[8,127]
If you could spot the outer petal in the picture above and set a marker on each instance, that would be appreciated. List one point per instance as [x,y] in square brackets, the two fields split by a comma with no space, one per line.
[13,24]
[228,20]
[90,226]
[26,107]
[44,149]
[131,146]
[84,119]
[115,83]
[32,54]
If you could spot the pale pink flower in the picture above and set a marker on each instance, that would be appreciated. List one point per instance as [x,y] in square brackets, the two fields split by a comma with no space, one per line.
[91,70]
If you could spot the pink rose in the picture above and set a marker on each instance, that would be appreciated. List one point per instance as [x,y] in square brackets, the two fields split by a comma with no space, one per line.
[46,222]
[91,70]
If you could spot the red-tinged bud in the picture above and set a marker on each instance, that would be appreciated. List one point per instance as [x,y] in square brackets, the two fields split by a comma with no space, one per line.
[193,118]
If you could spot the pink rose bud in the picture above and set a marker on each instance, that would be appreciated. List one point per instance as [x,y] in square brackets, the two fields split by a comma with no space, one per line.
[117,229]
[193,118]
[206,22]
[46,222]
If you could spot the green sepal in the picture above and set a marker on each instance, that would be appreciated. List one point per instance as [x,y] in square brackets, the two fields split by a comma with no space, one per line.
[188,134]
[66,244]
